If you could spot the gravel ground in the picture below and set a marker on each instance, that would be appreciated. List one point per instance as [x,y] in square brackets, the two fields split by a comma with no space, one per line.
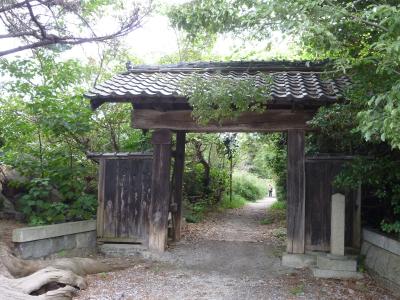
[230,255]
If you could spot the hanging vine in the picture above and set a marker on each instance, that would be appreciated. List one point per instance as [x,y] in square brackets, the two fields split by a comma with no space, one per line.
[216,98]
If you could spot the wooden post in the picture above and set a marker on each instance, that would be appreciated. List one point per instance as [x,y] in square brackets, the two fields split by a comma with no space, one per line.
[160,190]
[296,192]
[178,184]
[357,220]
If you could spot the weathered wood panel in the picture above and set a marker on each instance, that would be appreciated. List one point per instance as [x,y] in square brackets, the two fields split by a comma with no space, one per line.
[124,198]
[320,173]
[160,190]
[178,184]
[295,192]
[268,121]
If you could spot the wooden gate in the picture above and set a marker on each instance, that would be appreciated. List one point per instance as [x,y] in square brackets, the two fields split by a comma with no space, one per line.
[124,197]
[320,174]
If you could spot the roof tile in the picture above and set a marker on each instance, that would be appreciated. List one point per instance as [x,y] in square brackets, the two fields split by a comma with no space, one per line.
[293,82]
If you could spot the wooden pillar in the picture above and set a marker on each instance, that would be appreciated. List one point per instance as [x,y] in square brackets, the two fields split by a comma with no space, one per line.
[357,219]
[160,190]
[296,192]
[178,183]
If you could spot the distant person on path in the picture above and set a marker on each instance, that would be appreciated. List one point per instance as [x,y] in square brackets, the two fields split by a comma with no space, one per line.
[270,189]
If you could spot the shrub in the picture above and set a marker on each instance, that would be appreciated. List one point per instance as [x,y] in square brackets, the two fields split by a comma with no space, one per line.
[197,211]
[276,213]
[38,208]
[237,201]
[277,206]
[249,186]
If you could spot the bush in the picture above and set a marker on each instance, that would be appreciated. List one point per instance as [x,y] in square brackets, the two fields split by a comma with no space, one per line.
[237,201]
[39,209]
[278,206]
[197,211]
[276,213]
[249,186]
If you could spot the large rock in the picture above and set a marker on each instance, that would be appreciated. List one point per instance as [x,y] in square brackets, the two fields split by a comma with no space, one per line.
[12,182]
[6,204]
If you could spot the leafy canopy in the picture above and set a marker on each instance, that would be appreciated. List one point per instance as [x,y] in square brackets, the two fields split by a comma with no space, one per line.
[362,38]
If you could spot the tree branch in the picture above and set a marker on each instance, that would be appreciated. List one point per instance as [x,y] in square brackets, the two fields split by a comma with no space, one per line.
[35,20]
[20,17]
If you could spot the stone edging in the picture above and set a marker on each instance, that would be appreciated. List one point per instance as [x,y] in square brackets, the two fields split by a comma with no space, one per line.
[27,234]
[381,241]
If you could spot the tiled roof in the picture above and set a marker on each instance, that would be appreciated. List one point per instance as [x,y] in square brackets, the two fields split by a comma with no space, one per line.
[298,82]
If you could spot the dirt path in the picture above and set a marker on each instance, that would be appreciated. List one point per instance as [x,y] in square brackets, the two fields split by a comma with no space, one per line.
[230,255]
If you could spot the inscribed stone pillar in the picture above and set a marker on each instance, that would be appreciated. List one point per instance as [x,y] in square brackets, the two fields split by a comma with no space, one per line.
[338,224]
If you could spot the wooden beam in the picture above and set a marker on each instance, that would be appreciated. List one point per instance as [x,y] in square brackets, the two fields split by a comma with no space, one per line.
[268,121]
[160,190]
[296,192]
[178,183]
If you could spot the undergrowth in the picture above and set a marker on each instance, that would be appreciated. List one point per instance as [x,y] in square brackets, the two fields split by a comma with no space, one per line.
[276,213]
[245,187]
[237,201]
[249,186]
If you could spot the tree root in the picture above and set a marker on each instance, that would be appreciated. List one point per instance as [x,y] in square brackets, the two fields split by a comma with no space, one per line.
[49,279]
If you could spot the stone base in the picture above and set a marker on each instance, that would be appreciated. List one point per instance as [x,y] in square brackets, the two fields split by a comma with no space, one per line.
[298,261]
[320,273]
[340,263]
[120,250]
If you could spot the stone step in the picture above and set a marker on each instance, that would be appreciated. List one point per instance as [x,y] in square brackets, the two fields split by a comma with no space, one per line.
[119,250]
[320,273]
[337,264]
[298,261]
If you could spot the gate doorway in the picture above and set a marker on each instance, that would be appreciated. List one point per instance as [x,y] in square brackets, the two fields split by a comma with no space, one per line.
[297,91]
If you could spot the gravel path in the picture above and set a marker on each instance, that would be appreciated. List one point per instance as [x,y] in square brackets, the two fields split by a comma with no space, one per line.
[230,255]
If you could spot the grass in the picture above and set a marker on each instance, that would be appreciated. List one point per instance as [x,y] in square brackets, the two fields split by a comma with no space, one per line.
[267,221]
[276,213]
[278,206]
[237,201]
[297,290]
[245,187]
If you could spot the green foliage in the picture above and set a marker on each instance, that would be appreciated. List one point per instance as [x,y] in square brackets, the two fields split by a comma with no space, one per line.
[197,211]
[266,221]
[249,186]
[382,175]
[37,205]
[265,155]
[360,37]
[40,208]
[219,98]
[237,201]
[276,213]
[277,206]
[47,128]
[205,170]
[298,290]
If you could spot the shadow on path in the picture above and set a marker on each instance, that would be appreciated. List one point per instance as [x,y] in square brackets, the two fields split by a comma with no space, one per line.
[232,242]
